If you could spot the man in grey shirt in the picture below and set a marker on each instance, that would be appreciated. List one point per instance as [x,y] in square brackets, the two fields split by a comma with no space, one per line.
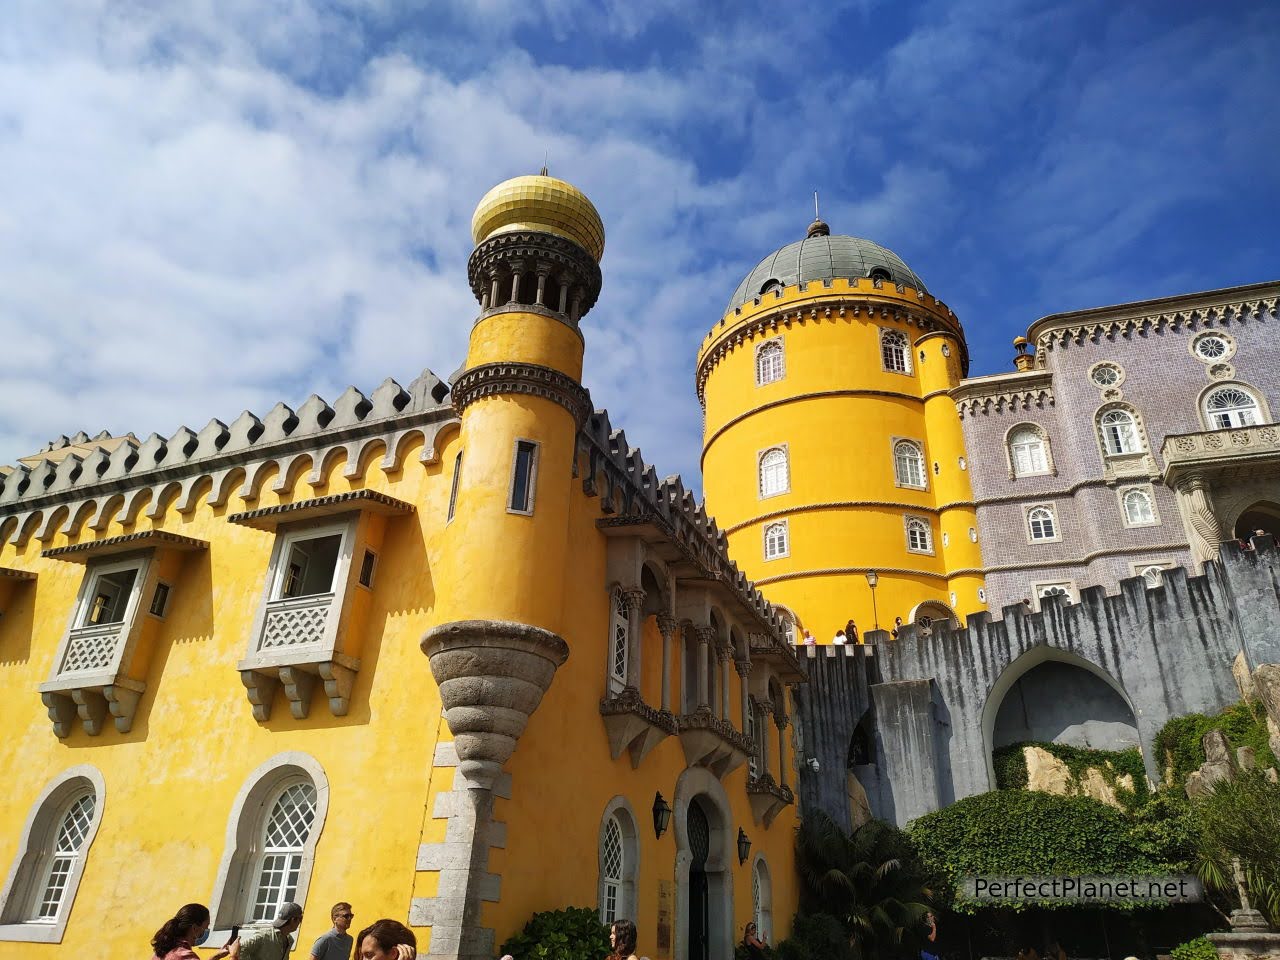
[336,944]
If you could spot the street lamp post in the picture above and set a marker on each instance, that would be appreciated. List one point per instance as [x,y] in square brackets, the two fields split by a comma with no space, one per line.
[872,579]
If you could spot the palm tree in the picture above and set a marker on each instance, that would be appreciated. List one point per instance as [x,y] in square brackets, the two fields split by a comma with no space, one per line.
[871,881]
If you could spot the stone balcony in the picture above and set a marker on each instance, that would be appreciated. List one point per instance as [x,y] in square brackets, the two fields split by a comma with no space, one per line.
[711,742]
[767,798]
[88,684]
[1220,454]
[634,725]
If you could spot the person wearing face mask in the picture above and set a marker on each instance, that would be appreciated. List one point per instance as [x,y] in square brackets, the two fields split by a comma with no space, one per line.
[188,928]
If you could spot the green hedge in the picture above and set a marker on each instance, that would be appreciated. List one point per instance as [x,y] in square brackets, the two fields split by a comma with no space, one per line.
[574,933]
[1198,949]
[1178,744]
[1011,768]
[1029,833]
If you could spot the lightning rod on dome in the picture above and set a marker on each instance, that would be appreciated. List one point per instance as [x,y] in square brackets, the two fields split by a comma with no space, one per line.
[545,155]
[815,206]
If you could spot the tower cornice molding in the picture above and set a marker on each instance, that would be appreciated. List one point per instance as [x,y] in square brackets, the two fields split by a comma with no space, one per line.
[528,379]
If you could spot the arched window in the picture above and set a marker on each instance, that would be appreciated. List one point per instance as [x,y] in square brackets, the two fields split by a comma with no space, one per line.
[275,824]
[284,841]
[1120,435]
[619,643]
[1153,575]
[775,478]
[1042,524]
[1138,508]
[894,352]
[762,899]
[919,536]
[908,464]
[753,761]
[1229,407]
[46,872]
[1028,452]
[618,862]
[777,542]
[769,362]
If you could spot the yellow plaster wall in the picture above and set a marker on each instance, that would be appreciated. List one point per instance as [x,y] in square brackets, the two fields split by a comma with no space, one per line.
[171,781]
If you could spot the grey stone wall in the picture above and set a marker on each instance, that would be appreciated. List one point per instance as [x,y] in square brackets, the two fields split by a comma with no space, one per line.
[934,699]
[1163,383]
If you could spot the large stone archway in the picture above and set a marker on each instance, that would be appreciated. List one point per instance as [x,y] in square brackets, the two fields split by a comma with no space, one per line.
[698,786]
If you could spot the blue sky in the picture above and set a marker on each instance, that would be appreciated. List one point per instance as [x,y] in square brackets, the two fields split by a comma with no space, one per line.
[215,205]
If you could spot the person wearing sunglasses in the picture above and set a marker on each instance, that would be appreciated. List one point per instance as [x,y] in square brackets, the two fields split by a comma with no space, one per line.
[336,943]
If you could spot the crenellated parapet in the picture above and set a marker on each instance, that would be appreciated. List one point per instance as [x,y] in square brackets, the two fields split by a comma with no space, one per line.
[62,496]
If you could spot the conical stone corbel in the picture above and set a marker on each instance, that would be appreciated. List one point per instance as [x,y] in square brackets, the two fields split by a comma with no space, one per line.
[492,676]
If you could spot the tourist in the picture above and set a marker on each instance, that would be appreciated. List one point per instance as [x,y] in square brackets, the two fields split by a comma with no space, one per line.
[622,938]
[851,632]
[808,639]
[188,928]
[273,943]
[754,945]
[840,639]
[386,940]
[336,943]
[897,625]
[932,952]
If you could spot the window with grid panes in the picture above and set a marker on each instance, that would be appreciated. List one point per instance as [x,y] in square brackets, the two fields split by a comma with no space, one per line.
[908,464]
[774,475]
[611,857]
[66,851]
[769,362]
[893,350]
[618,645]
[283,838]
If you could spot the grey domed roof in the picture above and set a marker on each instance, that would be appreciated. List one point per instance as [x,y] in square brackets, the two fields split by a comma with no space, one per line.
[823,258]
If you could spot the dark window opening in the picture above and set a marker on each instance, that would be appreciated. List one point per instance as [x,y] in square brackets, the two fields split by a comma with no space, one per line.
[522,480]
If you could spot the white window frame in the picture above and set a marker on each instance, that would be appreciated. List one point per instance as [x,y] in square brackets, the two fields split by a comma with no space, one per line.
[1122,497]
[1054,522]
[344,531]
[618,621]
[619,810]
[533,475]
[762,896]
[1193,346]
[1138,569]
[909,521]
[1110,366]
[1109,450]
[29,871]
[1069,586]
[453,488]
[885,364]
[95,574]
[1260,414]
[236,882]
[295,855]
[167,587]
[786,466]
[786,539]
[1011,445]
[763,377]
[899,480]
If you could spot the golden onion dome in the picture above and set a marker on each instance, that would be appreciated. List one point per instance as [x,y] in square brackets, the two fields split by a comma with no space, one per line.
[543,204]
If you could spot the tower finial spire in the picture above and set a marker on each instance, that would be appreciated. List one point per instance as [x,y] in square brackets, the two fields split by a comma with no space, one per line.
[815,206]
[818,228]
[545,155]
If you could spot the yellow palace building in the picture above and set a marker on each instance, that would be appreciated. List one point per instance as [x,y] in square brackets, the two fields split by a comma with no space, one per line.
[451,652]
[833,455]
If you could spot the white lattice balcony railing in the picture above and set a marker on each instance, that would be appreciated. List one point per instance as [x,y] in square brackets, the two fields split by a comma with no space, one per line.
[92,649]
[295,622]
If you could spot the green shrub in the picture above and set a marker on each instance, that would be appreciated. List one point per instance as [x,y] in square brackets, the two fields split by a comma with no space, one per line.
[1011,768]
[818,936]
[1198,949]
[1165,829]
[1029,833]
[574,933]
[1239,820]
[1179,748]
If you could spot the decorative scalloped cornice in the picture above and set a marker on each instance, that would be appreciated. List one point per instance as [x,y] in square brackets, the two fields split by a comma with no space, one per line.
[1259,301]
[528,379]
[1021,390]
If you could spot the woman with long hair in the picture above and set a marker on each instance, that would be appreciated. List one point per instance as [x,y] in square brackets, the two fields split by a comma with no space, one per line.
[622,937]
[386,940]
[753,942]
[187,928]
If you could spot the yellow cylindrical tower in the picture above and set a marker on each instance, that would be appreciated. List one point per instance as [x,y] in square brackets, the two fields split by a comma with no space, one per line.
[500,573]
[831,448]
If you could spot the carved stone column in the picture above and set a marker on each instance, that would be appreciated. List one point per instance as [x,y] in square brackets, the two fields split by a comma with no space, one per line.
[724,654]
[767,708]
[667,627]
[744,673]
[1202,524]
[633,599]
[492,675]
[781,720]
[706,638]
